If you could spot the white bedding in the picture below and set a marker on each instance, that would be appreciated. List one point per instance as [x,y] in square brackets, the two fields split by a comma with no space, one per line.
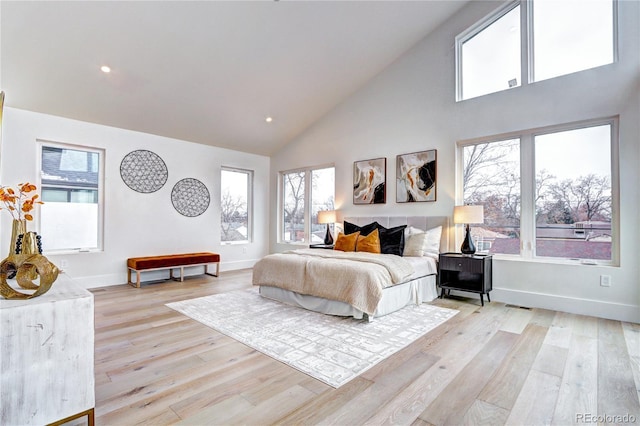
[417,288]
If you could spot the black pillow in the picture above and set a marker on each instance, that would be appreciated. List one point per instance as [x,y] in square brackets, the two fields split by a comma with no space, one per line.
[392,240]
[350,228]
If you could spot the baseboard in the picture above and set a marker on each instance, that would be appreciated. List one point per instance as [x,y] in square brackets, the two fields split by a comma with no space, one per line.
[614,311]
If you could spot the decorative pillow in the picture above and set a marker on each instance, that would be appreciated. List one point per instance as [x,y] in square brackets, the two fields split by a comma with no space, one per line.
[346,242]
[423,243]
[369,243]
[350,228]
[392,239]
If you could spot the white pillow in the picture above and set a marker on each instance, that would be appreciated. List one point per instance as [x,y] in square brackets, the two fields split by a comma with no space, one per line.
[421,243]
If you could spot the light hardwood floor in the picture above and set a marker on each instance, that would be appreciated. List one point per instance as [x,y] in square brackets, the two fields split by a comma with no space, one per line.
[488,365]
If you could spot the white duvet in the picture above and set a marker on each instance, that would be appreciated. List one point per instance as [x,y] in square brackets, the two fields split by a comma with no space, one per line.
[356,278]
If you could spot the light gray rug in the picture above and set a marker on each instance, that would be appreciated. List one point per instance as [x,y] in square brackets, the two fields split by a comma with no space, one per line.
[331,349]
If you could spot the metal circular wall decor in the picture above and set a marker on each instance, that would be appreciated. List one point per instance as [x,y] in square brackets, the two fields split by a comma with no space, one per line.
[143,171]
[190,197]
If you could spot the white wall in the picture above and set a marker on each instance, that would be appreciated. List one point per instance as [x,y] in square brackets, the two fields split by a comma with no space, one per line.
[136,224]
[411,107]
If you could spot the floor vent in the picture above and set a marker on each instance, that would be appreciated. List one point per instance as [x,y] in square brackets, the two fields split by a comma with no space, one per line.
[517,307]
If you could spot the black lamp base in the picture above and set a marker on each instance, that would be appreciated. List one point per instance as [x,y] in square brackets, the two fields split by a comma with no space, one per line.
[467,245]
[328,239]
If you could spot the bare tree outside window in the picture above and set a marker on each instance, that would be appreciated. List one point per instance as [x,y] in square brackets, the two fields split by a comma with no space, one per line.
[304,193]
[491,177]
[234,205]
[572,199]
[293,189]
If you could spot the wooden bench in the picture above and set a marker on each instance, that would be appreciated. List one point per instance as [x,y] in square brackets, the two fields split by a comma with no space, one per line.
[171,262]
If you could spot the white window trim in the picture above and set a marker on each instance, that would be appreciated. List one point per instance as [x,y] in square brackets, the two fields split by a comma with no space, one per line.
[527,63]
[307,211]
[101,155]
[249,205]
[527,185]
[471,32]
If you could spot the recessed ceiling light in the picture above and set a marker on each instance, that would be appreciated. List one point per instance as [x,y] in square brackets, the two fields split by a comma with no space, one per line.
[105,69]
[268,119]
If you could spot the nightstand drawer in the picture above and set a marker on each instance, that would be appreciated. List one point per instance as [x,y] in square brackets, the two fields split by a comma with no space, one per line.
[461,263]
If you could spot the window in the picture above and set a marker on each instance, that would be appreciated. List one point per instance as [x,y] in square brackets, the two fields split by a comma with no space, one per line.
[490,57]
[554,187]
[71,181]
[491,177]
[304,193]
[561,37]
[573,193]
[570,36]
[235,205]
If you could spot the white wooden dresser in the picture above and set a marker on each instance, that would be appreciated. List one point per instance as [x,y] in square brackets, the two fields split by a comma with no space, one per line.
[46,356]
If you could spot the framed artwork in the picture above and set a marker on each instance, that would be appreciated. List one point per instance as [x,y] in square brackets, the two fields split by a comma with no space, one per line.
[416,177]
[369,181]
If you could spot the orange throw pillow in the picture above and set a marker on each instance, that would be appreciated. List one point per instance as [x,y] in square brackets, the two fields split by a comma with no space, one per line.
[346,242]
[370,243]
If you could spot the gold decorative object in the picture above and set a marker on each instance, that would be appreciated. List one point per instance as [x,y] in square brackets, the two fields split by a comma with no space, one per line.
[19,227]
[24,264]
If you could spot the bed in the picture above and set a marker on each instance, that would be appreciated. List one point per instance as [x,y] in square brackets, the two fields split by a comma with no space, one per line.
[318,279]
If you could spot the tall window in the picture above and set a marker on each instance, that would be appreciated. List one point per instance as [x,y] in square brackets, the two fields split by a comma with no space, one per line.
[71,181]
[562,37]
[491,177]
[235,205]
[547,193]
[573,193]
[304,192]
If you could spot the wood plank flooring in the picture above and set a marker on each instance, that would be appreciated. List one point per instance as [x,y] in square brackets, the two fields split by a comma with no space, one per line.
[490,365]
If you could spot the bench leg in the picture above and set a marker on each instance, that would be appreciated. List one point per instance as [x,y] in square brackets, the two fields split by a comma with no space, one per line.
[131,283]
[206,270]
[181,273]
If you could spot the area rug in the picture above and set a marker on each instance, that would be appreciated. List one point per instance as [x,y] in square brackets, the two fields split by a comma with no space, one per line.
[329,348]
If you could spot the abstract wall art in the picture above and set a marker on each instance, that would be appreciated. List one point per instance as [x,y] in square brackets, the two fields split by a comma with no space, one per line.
[416,177]
[369,181]
[190,197]
[143,171]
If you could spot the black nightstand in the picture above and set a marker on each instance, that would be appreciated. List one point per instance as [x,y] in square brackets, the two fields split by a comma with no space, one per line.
[322,246]
[466,273]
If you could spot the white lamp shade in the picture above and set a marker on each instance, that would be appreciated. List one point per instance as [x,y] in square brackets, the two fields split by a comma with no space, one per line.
[327,216]
[468,214]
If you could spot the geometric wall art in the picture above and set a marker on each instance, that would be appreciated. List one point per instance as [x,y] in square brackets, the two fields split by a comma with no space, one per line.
[190,197]
[369,181]
[416,177]
[143,171]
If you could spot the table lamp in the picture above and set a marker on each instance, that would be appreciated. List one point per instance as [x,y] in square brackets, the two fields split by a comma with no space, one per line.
[328,217]
[468,215]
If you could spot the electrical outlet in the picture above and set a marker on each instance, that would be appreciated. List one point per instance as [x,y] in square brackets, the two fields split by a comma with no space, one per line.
[244,250]
[64,263]
[605,280]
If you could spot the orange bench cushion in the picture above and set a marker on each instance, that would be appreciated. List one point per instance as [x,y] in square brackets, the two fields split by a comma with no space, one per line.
[152,262]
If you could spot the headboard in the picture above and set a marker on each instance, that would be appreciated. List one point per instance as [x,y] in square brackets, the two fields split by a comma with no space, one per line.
[421,222]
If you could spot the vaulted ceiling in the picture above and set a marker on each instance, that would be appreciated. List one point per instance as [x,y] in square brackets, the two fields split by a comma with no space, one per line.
[208,72]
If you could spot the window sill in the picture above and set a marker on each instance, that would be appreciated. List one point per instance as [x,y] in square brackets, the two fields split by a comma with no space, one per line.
[556,261]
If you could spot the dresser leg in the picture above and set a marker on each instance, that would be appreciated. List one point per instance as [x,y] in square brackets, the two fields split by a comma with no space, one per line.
[482,299]
[488,297]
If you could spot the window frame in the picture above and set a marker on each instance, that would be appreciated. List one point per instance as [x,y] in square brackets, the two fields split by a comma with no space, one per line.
[527,60]
[101,182]
[250,174]
[528,188]
[476,29]
[308,191]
